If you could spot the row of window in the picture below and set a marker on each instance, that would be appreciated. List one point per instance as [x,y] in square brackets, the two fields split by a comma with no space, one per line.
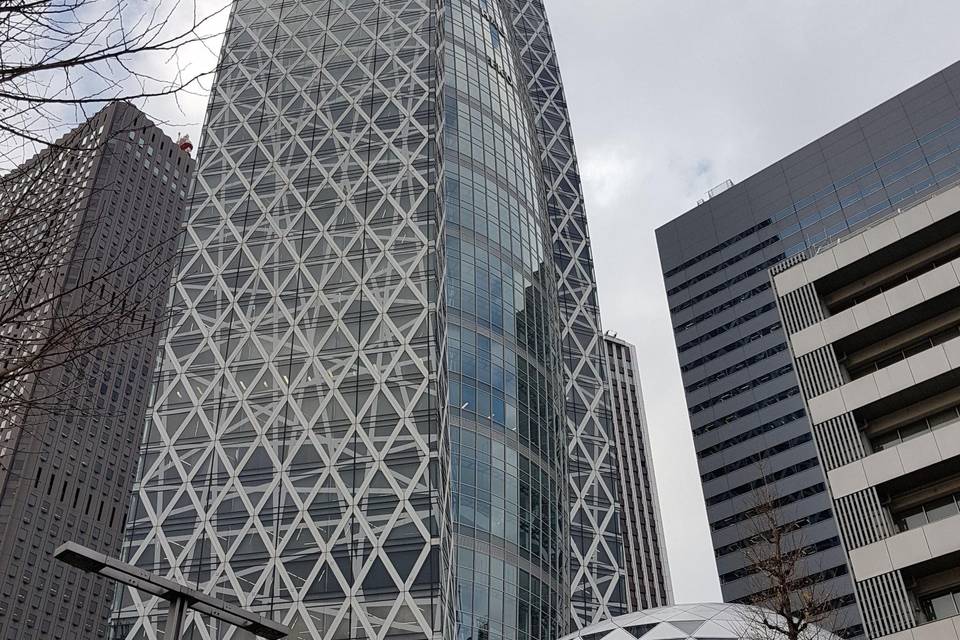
[733,346]
[756,313]
[722,307]
[931,511]
[810,549]
[723,265]
[716,249]
[743,388]
[752,433]
[911,349]
[743,364]
[915,429]
[757,457]
[794,525]
[753,485]
[726,284]
[753,408]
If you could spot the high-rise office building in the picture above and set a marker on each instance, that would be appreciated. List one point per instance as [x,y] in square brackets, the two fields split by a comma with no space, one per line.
[874,328]
[377,417]
[742,393]
[647,582]
[88,241]
[596,571]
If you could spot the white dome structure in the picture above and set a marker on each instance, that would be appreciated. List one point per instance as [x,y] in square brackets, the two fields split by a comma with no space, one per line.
[708,621]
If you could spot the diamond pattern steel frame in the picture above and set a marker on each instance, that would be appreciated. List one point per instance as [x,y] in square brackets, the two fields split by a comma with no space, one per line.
[294,462]
[596,567]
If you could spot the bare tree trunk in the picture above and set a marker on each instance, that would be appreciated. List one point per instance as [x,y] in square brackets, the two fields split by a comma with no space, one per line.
[791,600]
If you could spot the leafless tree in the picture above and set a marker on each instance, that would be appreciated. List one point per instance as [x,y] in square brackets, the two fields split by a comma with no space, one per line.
[66,309]
[62,60]
[792,594]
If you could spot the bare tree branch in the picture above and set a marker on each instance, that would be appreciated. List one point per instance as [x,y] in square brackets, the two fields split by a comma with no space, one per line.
[792,601]
[59,56]
[67,306]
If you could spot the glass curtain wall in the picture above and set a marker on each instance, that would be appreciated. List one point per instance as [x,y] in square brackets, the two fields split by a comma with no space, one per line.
[508,443]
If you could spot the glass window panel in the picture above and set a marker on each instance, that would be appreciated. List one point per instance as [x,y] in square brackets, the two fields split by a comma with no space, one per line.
[944,417]
[886,361]
[920,347]
[913,430]
[885,440]
[942,607]
[912,519]
[940,509]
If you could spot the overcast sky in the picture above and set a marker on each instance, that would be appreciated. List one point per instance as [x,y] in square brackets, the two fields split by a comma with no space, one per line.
[671,97]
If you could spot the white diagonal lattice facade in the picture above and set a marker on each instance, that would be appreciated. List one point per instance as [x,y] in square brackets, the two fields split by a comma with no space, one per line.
[294,460]
[596,567]
[358,424]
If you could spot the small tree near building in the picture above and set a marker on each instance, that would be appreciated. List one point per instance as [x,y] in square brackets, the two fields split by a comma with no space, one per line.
[791,591]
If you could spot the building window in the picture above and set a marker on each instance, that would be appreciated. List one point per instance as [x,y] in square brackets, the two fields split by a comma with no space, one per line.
[941,605]
[915,429]
[932,511]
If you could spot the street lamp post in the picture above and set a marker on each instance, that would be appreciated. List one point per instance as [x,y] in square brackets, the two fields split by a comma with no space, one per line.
[181,598]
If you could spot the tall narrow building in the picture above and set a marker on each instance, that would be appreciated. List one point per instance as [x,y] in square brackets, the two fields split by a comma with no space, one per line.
[749,422]
[87,243]
[645,556]
[373,398]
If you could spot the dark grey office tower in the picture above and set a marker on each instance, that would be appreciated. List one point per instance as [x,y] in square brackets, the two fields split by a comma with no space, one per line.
[644,555]
[745,406]
[93,220]
[366,426]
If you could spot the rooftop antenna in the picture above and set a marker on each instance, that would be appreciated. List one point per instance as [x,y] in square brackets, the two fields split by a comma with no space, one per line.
[184,143]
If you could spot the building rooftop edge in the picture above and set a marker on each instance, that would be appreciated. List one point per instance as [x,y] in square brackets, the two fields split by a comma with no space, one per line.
[739,185]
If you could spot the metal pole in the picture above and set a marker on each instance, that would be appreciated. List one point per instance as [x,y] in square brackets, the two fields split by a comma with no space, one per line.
[180,596]
[176,616]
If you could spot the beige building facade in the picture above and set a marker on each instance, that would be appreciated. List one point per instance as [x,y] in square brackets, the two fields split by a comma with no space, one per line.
[874,330]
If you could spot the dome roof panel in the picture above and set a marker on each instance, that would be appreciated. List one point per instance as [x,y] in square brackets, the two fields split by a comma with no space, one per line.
[714,629]
[637,617]
[699,621]
[665,631]
[688,626]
